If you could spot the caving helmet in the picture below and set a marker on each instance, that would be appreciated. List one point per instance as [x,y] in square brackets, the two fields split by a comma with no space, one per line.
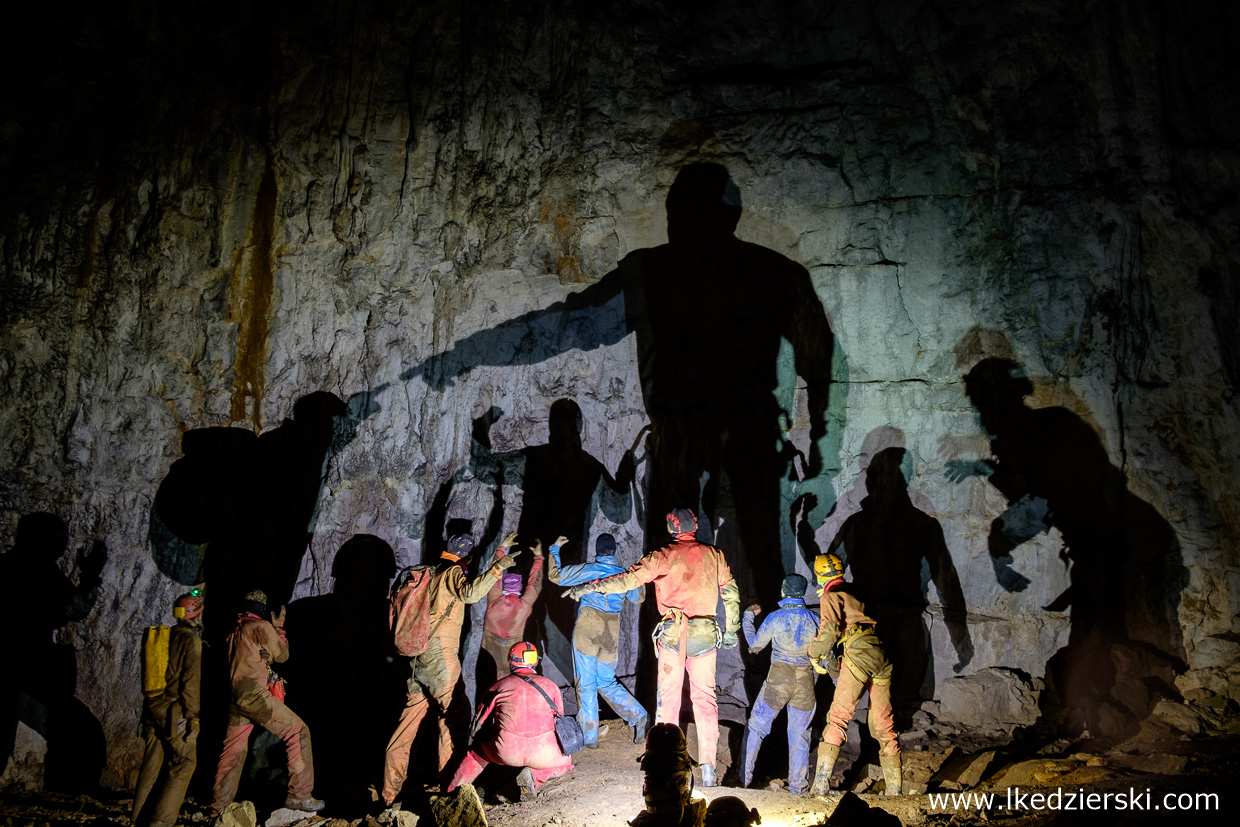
[794,585]
[187,606]
[828,567]
[460,546]
[255,602]
[523,655]
[730,811]
[681,521]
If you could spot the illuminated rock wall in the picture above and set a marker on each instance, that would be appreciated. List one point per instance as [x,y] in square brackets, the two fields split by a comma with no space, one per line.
[206,220]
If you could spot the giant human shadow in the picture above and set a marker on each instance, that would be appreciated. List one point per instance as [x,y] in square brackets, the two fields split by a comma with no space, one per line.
[1126,574]
[563,488]
[237,509]
[710,314]
[885,544]
[40,680]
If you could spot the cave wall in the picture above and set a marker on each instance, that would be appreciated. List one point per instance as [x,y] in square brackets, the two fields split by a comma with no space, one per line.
[207,216]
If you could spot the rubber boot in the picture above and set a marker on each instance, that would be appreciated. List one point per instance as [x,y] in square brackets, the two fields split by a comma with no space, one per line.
[753,742]
[708,776]
[827,753]
[891,772]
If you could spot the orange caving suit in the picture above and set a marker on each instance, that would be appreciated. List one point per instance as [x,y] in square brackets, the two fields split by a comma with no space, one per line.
[253,645]
[689,579]
[864,665]
[435,674]
[506,615]
[170,728]
[517,730]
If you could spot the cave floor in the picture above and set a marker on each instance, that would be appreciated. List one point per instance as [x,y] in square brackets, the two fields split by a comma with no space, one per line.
[604,790]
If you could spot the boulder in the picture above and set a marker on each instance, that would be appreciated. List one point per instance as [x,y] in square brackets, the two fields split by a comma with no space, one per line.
[989,697]
[462,808]
[237,814]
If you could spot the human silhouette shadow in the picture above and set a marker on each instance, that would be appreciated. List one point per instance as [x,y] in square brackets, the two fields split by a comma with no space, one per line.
[1125,569]
[457,500]
[885,544]
[562,488]
[237,509]
[40,681]
[710,314]
[342,679]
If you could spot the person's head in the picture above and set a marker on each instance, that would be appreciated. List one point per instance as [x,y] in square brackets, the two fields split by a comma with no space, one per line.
[794,585]
[668,770]
[681,521]
[460,546]
[828,568]
[997,384]
[511,583]
[605,548]
[255,602]
[703,203]
[42,534]
[730,811]
[564,424]
[188,607]
[523,655]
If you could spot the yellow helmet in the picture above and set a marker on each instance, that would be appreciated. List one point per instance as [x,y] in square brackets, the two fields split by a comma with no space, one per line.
[827,567]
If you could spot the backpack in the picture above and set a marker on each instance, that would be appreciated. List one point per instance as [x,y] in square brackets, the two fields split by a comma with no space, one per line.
[409,613]
[155,660]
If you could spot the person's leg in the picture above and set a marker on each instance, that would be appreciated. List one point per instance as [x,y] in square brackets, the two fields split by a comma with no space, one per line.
[586,669]
[882,726]
[798,747]
[801,706]
[705,708]
[396,759]
[452,715]
[671,681]
[758,727]
[471,767]
[621,699]
[844,702]
[182,760]
[288,726]
[232,760]
[152,763]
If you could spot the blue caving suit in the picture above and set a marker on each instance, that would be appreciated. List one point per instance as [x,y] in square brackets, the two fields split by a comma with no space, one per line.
[790,682]
[596,640]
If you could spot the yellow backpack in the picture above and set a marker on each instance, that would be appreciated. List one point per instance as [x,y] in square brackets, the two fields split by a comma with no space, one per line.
[155,660]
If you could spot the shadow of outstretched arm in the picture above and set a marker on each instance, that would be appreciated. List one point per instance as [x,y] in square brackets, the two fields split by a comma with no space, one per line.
[586,320]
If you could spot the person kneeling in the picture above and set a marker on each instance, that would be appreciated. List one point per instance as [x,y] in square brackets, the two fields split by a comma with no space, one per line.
[515,726]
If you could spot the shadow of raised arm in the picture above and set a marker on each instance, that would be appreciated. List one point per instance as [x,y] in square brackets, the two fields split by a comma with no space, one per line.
[591,318]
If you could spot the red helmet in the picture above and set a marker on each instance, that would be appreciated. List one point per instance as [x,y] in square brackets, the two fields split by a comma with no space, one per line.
[187,607]
[523,655]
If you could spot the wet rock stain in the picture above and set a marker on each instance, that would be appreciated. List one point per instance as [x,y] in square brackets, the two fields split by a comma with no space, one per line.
[254,283]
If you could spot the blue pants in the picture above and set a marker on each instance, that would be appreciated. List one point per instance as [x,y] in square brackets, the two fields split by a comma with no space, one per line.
[594,678]
[793,687]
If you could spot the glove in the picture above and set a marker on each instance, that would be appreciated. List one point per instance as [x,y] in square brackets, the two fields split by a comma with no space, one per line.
[578,592]
[729,640]
[818,667]
[277,617]
[509,540]
[754,610]
[560,542]
[537,548]
[508,560]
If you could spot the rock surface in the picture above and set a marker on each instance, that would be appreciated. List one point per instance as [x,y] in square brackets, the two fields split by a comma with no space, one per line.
[204,221]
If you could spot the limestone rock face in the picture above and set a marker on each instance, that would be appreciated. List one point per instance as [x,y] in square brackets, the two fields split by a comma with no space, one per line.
[989,697]
[275,278]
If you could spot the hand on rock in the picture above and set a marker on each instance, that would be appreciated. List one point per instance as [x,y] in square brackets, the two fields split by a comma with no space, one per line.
[509,540]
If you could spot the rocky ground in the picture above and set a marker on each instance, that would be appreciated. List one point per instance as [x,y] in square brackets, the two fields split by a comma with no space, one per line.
[1146,778]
